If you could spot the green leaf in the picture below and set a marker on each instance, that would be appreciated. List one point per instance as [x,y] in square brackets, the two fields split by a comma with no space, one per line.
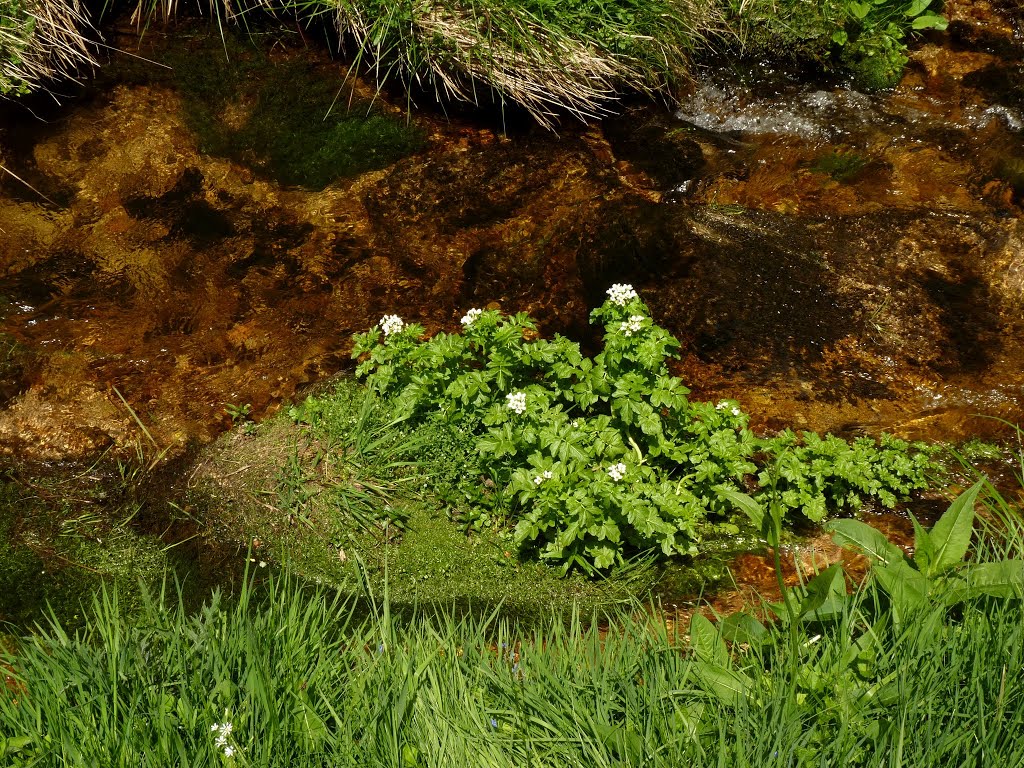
[839,37]
[861,536]
[930,21]
[744,503]
[743,628]
[824,595]
[1002,579]
[14,744]
[859,10]
[706,642]
[907,589]
[924,550]
[917,7]
[728,685]
[952,533]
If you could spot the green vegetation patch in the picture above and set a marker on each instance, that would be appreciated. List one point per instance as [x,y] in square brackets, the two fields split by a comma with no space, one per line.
[920,667]
[285,117]
[593,460]
[339,491]
[54,554]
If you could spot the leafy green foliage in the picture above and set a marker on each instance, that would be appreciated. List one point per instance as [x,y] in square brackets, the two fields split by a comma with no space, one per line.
[867,38]
[598,458]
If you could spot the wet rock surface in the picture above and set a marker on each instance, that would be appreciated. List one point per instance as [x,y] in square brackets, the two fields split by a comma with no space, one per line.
[834,260]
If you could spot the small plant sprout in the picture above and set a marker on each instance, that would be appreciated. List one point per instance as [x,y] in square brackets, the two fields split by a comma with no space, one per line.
[633,325]
[471,316]
[390,324]
[545,475]
[617,471]
[622,294]
[517,402]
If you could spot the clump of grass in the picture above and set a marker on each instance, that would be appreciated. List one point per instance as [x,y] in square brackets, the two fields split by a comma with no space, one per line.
[548,57]
[41,42]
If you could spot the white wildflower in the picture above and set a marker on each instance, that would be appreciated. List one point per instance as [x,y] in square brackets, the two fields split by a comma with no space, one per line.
[517,401]
[470,317]
[229,751]
[735,411]
[721,406]
[622,294]
[545,475]
[633,325]
[391,324]
[617,471]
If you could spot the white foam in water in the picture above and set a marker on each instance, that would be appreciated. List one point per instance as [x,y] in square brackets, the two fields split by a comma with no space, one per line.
[821,114]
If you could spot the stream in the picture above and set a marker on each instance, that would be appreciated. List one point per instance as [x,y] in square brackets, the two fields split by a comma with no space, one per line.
[834,260]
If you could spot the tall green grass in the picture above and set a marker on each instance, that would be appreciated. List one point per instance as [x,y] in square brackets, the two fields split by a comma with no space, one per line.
[308,678]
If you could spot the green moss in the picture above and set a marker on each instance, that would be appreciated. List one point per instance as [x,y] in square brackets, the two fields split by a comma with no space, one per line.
[285,117]
[53,557]
[841,165]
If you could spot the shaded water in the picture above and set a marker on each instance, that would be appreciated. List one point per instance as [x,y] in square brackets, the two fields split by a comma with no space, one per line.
[834,260]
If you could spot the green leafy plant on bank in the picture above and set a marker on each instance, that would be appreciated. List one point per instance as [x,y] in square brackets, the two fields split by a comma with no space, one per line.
[836,675]
[867,38]
[594,459]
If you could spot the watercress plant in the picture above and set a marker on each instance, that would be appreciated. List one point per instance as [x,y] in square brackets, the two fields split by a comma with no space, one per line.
[595,459]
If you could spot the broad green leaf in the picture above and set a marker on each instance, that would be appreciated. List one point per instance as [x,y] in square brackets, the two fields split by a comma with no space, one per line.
[744,503]
[824,595]
[930,21]
[952,533]
[742,628]
[917,7]
[706,642]
[728,685]
[859,10]
[1002,579]
[924,550]
[861,536]
[907,589]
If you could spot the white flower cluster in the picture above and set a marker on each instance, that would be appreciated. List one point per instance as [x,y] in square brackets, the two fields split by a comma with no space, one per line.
[391,324]
[470,317]
[622,294]
[633,325]
[545,475]
[223,731]
[617,471]
[517,401]
[723,405]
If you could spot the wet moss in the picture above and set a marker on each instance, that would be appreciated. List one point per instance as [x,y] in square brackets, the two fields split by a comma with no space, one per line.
[285,117]
[55,553]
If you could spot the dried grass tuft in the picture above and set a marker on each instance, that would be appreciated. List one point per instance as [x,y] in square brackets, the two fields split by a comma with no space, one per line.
[41,41]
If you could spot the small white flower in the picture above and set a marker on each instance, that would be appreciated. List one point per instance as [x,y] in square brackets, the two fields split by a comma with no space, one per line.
[575,423]
[517,401]
[721,406]
[215,727]
[622,294]
[391,324]
[547,474]
[229,751]
[470,317]
[633,325]
[617,471]
[735,411]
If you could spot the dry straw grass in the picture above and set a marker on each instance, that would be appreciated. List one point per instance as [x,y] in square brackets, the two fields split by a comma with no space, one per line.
[40,41]
[506,50]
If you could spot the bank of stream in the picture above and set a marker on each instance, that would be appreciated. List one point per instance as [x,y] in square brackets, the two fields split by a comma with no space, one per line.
[189,254]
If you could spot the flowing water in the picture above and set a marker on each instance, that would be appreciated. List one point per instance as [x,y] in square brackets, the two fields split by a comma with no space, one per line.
[832,259]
